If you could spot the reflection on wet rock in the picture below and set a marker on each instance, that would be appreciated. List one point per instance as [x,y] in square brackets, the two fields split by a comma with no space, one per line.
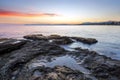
[42,57]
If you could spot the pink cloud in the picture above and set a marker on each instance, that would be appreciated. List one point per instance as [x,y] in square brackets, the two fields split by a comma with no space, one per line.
[21,14]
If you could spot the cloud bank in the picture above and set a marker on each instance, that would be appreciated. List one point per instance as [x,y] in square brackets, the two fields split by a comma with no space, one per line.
[21,14]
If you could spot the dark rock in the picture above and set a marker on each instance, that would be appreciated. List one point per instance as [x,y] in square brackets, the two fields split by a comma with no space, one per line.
[54,36]
[115,70]
[3,39]
[82,50]
[102,75]
[56,73]
[102,67]
[101,71]
[26,53]
[104,71]
[14,65]
[53,49]
[36,37]
[10,44]
[85,40]
[60,39]
[41,37]
[63,41]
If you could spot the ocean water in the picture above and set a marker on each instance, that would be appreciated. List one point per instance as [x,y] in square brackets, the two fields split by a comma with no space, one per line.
[108,36]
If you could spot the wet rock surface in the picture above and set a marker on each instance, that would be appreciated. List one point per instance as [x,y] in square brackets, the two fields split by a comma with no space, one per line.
[55,73]
[8,45]
[61,39]
[42,58]
[86,40]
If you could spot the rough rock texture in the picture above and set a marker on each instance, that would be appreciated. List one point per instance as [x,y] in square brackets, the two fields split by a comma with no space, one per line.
[8,45]
[36,37]
[102,67]
[26,53]
[19,55]
[86,40]
[61,39]
[56,73]
[3,39]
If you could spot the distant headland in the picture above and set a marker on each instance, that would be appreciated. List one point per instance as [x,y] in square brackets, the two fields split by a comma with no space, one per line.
[85,23]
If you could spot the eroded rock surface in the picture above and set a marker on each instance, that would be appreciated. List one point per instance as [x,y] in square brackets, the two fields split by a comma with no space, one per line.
[86,40]
[7,45]
[61,39]
[55,73]
[41,58]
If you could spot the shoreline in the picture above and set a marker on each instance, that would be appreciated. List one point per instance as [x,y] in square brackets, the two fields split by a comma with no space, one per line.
[17,58]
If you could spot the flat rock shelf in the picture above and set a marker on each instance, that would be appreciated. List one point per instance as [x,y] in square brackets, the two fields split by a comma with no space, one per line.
[39,57]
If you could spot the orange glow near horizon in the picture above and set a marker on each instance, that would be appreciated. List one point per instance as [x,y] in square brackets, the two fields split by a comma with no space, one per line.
[42,18]
[20,14]
[13,17]
[58,11]
[38,20]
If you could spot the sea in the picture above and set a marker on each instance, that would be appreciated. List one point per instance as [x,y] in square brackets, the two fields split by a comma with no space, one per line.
[108,36]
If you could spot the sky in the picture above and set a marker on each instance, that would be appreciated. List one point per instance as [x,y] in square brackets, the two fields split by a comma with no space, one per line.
[58,11]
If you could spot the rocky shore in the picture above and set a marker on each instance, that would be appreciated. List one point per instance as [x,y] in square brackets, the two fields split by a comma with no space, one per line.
[39,57]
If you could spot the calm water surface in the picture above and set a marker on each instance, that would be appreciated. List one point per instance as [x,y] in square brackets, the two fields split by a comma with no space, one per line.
[108,36]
